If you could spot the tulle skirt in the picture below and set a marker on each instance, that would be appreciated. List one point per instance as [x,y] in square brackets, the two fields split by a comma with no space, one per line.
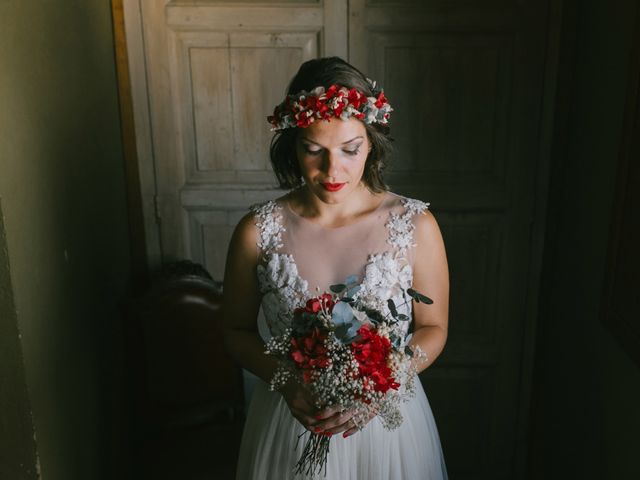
[411,452]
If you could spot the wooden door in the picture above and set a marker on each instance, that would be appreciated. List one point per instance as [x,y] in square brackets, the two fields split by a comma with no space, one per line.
[204,77]
[466,80]
[467,85]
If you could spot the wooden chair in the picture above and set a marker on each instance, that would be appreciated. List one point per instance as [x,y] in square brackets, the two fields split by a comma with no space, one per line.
[188,391]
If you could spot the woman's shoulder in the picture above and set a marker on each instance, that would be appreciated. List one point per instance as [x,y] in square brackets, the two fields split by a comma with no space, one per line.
[246,232]
[414,214]
[266,207]
[406,206]
[265,221]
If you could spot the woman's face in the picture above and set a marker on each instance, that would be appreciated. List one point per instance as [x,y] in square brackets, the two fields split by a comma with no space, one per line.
[332,156]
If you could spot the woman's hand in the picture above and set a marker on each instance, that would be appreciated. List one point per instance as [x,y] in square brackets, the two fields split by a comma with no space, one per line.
[301,404]
[332,420]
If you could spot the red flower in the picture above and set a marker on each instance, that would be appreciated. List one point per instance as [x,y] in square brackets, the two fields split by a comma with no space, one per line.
[309,352]
[331,91]
[381,100]
[356,98]
[371,352]
[314,305]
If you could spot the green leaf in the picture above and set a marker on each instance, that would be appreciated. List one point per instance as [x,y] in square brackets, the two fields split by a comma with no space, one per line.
[375,316]
[403,318]
[408,350]
[418,297]
[337,288]
[341,331]
[342,313]
[352,290]
[392,308]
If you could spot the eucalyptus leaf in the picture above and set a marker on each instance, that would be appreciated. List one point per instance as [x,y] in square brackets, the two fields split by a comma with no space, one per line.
[342,313]
[375,316]
[353,329]
[337,288]
[425,299]
[403,318]
[408,350]
[418,297]
[341,331]
[392,307]
[351,292]
[347,332]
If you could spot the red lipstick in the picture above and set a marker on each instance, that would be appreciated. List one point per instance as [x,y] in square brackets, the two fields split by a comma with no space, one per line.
[333,187]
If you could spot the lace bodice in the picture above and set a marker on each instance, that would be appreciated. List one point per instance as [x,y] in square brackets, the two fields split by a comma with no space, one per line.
[299,258]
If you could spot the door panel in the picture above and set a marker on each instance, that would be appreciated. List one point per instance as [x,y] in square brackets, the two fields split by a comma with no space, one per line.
[214,71]
[466,83]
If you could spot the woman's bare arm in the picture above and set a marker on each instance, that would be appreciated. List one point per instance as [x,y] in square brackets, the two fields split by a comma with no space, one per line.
[241,304]
[431,278]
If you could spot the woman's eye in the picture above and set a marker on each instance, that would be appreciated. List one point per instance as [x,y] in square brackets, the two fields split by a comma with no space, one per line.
[312,151]
[353,151]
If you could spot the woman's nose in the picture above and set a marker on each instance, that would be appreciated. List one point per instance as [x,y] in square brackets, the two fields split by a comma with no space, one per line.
[330,163]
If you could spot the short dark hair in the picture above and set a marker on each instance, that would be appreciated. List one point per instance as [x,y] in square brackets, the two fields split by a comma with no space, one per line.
[324,72]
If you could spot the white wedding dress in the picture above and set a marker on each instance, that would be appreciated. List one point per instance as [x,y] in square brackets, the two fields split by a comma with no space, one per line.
[298,257]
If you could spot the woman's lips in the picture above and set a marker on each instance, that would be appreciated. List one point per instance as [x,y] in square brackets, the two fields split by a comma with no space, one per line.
[333,187]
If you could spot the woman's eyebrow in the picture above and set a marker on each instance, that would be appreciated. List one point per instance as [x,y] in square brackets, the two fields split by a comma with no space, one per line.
[353,139]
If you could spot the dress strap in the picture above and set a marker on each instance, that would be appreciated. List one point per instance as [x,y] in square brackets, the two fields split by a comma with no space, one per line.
[401,226]
[269,223]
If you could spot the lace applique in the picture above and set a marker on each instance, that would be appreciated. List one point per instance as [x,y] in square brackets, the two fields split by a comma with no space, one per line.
[269,225]
[401,226]
[281,286]
[386,275]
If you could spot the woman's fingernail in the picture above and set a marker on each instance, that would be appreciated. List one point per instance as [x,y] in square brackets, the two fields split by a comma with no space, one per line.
[317,429]
[345,435]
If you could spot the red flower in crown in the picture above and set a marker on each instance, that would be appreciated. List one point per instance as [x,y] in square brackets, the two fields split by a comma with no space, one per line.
[381,100]
[356,98]
[302,109]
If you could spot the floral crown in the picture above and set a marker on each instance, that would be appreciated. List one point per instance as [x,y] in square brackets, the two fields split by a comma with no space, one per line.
[303,108]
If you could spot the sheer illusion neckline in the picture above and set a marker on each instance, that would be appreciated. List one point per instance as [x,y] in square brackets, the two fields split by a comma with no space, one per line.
[357,221]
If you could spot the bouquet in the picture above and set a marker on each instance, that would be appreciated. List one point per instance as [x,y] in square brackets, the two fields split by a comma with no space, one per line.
[350,356]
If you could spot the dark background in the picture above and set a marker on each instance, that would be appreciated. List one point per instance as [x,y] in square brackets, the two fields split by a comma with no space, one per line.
[65,264]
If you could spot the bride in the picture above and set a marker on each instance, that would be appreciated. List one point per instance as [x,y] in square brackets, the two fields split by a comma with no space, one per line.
[338,219]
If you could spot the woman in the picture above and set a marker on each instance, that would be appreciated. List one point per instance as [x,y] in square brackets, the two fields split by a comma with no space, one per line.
[337,220]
